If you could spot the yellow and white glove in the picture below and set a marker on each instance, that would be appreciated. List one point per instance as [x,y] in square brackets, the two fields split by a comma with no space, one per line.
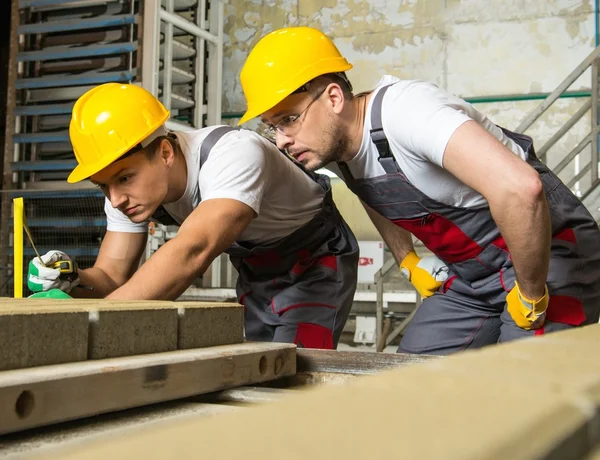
[526,313]
[46,274]
[426,274]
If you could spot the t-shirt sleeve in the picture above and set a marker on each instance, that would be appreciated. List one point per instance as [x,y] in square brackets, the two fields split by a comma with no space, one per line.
[237,170]
[422,118]
[116,221]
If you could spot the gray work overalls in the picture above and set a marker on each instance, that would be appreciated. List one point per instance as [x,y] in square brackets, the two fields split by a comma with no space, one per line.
[299,289]
[469,308]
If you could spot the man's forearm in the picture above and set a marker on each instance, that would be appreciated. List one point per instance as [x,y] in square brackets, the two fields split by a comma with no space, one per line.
[94,283]
[398,240]
[526,228]
[166,275]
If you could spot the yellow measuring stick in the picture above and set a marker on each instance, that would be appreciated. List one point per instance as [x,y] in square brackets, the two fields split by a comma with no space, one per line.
[18,247]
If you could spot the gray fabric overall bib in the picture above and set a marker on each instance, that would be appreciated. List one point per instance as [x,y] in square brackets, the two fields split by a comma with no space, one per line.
[299,289]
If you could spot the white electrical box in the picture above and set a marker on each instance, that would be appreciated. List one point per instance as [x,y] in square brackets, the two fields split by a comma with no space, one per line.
[370,260]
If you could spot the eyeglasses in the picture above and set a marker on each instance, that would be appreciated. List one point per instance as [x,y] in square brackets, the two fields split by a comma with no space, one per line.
[287,125]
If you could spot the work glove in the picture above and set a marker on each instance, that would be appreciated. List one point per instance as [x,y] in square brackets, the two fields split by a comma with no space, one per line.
[526,313]
[426,274]
[57,271]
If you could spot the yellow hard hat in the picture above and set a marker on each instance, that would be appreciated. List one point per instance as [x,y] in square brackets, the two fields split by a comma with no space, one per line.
[107,122]
[283,61]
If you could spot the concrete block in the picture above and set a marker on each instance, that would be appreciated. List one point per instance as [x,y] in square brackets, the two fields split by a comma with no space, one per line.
[207,324]
[32,336]
[126,330]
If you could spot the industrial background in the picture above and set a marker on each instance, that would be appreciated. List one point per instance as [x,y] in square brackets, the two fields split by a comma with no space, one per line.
[506,57]
[100,379]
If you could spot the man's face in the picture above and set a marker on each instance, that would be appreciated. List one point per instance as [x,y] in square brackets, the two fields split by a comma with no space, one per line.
[305,126]
[135,185]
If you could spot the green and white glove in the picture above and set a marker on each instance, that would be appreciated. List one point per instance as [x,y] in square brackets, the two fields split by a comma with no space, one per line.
[43,277]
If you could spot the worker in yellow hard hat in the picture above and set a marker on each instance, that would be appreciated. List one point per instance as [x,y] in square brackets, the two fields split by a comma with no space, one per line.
[230,191]
[523,253]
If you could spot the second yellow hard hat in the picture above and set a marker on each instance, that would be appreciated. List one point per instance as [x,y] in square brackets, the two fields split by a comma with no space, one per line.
[283,61]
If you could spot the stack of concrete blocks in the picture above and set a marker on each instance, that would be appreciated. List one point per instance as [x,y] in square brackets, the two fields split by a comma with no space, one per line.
[35,332]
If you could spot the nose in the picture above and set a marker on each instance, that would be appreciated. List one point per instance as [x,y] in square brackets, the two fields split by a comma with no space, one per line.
[283,142]
[116,198]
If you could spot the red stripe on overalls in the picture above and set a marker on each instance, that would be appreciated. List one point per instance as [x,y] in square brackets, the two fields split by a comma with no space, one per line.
[442,237]
[568,234]
[303,264]
[564,309]
[310,335]
[299,305]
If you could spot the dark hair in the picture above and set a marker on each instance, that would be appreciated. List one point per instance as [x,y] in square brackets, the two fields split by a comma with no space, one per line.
[339,78]
[152,148]
[319,84]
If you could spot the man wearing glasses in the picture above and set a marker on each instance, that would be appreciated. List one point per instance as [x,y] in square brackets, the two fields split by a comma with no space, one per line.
[229,191]
[522,251]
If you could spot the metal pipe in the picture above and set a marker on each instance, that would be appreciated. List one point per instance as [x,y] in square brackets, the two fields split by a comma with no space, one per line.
[200,66]
[563,130]
[150,37]
[189,27]
[578,148]
[579,175]
[480,99]
[567,82]
[168,60]
[379,278]
[594,121]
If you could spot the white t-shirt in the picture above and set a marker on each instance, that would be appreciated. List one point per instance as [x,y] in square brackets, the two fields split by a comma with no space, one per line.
[246,167]
[418,120]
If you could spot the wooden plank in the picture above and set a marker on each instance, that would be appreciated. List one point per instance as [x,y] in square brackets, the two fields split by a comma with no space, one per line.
[317,367]
[536,398]
[42,336]
[354,362]
[51,394]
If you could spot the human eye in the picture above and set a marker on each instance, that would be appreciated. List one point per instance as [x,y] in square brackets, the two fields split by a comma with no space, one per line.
[287,121]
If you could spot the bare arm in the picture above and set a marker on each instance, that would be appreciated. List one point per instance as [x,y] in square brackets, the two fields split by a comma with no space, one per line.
[118,259]
[396,238]
[207,232]
[516,198]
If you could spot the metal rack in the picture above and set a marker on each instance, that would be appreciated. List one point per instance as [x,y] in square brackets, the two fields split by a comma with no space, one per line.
[61,48]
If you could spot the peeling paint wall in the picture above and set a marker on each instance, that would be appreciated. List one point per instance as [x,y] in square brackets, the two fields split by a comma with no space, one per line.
[468,47]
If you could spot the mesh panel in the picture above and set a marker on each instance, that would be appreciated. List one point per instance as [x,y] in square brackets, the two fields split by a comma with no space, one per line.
[72,221]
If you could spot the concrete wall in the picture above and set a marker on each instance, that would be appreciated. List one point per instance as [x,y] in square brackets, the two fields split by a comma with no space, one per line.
[468,47]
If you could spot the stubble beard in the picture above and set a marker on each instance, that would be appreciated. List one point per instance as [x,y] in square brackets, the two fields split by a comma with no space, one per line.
[336,148]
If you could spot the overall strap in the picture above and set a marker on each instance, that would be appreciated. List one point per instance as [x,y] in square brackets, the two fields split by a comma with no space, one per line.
[386,158]
[209,141]
[161,215]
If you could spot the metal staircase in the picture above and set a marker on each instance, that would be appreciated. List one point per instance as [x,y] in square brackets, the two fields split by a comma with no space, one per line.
[61,48]
[579,168]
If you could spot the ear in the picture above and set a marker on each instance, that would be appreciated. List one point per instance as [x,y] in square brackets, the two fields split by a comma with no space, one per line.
[166,152]
[335,96]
